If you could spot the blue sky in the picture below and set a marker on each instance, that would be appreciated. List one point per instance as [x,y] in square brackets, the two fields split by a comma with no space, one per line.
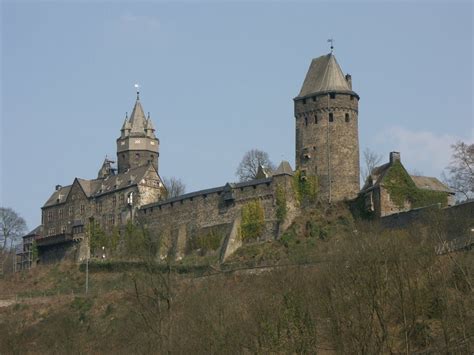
[219,79]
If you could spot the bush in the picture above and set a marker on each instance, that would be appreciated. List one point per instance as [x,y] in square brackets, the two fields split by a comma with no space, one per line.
[253,220]
[305,187]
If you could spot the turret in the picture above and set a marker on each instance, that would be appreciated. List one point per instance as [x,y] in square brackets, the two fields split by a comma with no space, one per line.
[137,144]
[327,142]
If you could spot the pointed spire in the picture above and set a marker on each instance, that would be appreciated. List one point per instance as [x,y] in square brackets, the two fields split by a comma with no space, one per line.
[137,118]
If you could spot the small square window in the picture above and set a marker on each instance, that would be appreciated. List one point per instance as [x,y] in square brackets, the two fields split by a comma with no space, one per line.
[304,101]
[352,97]
[314,98]
[332,95]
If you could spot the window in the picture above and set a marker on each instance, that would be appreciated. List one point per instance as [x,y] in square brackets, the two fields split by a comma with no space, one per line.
[61,213]
[99,207]
[352,97]
[122,199]
[316,119]
[304,101]
[71,210]
[331,117]
[50,216]
[347,117]
[314,98]
[332,95]
[114,201]
[83,209]
[306,121]
[137,155]
[51,231]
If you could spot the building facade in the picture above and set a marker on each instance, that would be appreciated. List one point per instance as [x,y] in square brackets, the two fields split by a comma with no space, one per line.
[110,200]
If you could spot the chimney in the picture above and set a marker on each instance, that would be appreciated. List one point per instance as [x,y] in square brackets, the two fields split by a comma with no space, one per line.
[58,187]
[349,80]
[394,156]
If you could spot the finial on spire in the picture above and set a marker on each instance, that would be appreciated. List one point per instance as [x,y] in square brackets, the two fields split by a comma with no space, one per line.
[126,115]
[148,115]
[330,40]
[137,86]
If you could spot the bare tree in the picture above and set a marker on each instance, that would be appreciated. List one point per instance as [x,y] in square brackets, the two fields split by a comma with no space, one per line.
[174,186]
[248,167]
[12,226]
[371,160]
[461,170]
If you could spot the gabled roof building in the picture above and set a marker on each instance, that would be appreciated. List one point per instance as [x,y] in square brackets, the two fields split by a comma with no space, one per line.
[111,199]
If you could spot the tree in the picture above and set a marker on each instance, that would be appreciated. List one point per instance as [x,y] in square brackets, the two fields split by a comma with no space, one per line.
[174,186]
[371,160]
[461,170]
[12,226]
[248,167]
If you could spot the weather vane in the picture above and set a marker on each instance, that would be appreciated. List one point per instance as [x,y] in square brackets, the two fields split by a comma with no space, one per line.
[330,40]
[137,86]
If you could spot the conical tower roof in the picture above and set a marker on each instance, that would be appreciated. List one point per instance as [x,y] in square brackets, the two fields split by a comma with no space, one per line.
[324,75]
[137,118]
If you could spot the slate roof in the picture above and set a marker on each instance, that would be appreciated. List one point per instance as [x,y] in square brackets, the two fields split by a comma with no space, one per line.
[430,183]
[283,169]
[324,75]
[58,196]
[422,182]
[36,231]
[137,119]
[99,187]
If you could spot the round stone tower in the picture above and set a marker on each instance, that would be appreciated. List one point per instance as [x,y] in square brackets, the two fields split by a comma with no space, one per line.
[327,140]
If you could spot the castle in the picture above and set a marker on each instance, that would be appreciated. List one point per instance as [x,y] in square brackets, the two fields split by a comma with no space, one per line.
[327,151]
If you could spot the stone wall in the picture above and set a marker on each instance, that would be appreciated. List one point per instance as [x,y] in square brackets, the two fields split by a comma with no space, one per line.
[329,149]
[177,221]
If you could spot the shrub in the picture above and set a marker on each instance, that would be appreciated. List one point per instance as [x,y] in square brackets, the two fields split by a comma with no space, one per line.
[253,220]
[305,187]
[281,208]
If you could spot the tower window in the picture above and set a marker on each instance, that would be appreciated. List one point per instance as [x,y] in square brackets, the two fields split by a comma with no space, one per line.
[315,118]
[123,156]
[306,121]
[347,117]
[331,117]
[352,97]
[137,155]
[332,95]
[314,98]
[304,101]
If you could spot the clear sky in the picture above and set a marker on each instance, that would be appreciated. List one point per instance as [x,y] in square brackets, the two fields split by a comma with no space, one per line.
[219,79]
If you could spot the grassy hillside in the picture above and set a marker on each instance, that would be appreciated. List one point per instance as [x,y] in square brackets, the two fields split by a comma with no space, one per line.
[329,285]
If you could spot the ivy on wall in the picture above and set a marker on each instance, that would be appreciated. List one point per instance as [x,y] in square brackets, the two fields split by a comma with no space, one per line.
[281,208]
[401,188]
[253,220]
[305,187]
[210,241]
